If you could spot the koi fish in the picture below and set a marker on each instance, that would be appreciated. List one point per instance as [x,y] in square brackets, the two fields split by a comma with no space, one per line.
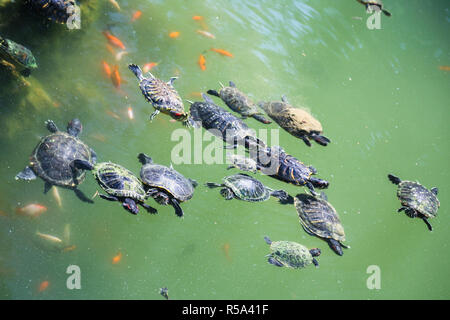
[32,210]
[206,34]
[112,114]
[69,248]
[116,259]
[226,250]
[130,113]
[49,238]
[43,285]
[148,66]
[445,68]
[174,34]
[115,76]
[222,52]
[106,68]
[110,49]
[120,54]
[202,62]
[197,18]
[57,196]
[113,40]
[115,4]
[136,15]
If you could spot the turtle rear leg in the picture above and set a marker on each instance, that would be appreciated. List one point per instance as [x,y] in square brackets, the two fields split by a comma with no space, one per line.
[149,209]
[322,140]
[178,211]
[306,140]
[275,262]
[427,223]
[47,187]
[82,196]
[261,118]
[26,174]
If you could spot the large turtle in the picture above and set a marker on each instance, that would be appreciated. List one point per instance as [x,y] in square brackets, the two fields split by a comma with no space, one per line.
[417,201]
[239,102]
[291,254]
[54,159]
[223,124]
[162,95]
[374,5]
[165,185]
[298,122]
[319,218]
[17,56]
[58,11]
[120,184]
[244,187]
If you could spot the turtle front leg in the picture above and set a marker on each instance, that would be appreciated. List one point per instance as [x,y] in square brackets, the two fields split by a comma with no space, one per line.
[26,174]
[427,223]
[51,126]
[153,115]
[280,194]
[108,197]
[178,211]
[149,208]
[82,196]
[227,193]
[310,186]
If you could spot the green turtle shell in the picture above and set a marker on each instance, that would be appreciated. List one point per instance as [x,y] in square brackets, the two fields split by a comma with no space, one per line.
[119,181]
[53,155]
[238,102]
[318,217]
[291,254]
[167,179]
[247,188]
[17,54]
[419,198]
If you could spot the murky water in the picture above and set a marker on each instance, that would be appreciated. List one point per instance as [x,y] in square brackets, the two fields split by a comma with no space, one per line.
[380,95]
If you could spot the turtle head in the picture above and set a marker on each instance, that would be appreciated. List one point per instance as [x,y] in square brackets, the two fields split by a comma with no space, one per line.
[74,127]
[315,252]
[335,246]
[131,206]
[30,62]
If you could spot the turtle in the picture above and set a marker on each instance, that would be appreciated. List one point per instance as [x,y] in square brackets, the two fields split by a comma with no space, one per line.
[291,254]
[120,185]
[319,218]
[223,124]
[298,122]
[417,201]
[239,102]
[244,187]
[58,11]
[17,57]
[374,5]
[162,95]
[165,185]
[241,162]
[54,159]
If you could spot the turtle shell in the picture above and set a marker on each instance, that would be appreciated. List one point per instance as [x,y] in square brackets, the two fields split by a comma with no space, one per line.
[162,96]
[247,188]
[17,54]
[53,155]
[55,10]
[417,197]
[318,217]
[168,179]
[291,254]
[237,101]
[119,181]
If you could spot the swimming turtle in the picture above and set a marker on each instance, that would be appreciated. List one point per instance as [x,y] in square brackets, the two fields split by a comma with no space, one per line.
[120,184]
[53,159]
[165,185]
[244,187]
[298,122]
[417,201]
[374,5]
[17,56]
[223,124]
[291,254]
[58,11]
[319,218]
[162,95]
[239,102]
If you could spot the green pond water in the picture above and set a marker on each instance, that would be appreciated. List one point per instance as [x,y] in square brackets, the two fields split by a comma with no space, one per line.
[379,94]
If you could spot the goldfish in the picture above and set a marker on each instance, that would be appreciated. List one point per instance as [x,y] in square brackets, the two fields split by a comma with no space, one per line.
[116,259]
[174,34]
[136,15]
[115,76]
[69,248]
[56,104]
[32,210]
[110,49]
[222,52]
[148,66]
[43,285]
[130,113]
[120,54]
[202,62]
[197,18]
[115,4]
[206,34]
[49,238]
[445,68]
[226,250]
[57,196]
[106,68]
[113,40]
[113,114]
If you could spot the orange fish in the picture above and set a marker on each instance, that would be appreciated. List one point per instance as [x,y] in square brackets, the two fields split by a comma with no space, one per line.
[32,210]
[99,137]
[112,114]
[206,34]
[222,52]
[174,34]
[43,285]
[115,4]
[197,18]
[106,68]
[226,249]
[113,40]
[69,248]
[148,66]
[115,76]
[116,259]
[445,68]
[136,15]
[130,113]
[110,49]
[202,62]
[195,94]
[3,213]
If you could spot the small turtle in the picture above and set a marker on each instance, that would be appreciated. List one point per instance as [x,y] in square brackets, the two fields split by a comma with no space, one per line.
[239,102]
[298,122]
[20,57]
[164,292]
[374,5]
[244,187]
[162,95]
[58,11]
[120,184]
[165,185]
[417,201]
[223,124]
[53,159]
[241,162]
[319,218]
[291,254]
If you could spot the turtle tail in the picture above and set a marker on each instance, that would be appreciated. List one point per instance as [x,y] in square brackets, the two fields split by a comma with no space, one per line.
[261,118]
[394,179]
[213,93]
[136,70]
